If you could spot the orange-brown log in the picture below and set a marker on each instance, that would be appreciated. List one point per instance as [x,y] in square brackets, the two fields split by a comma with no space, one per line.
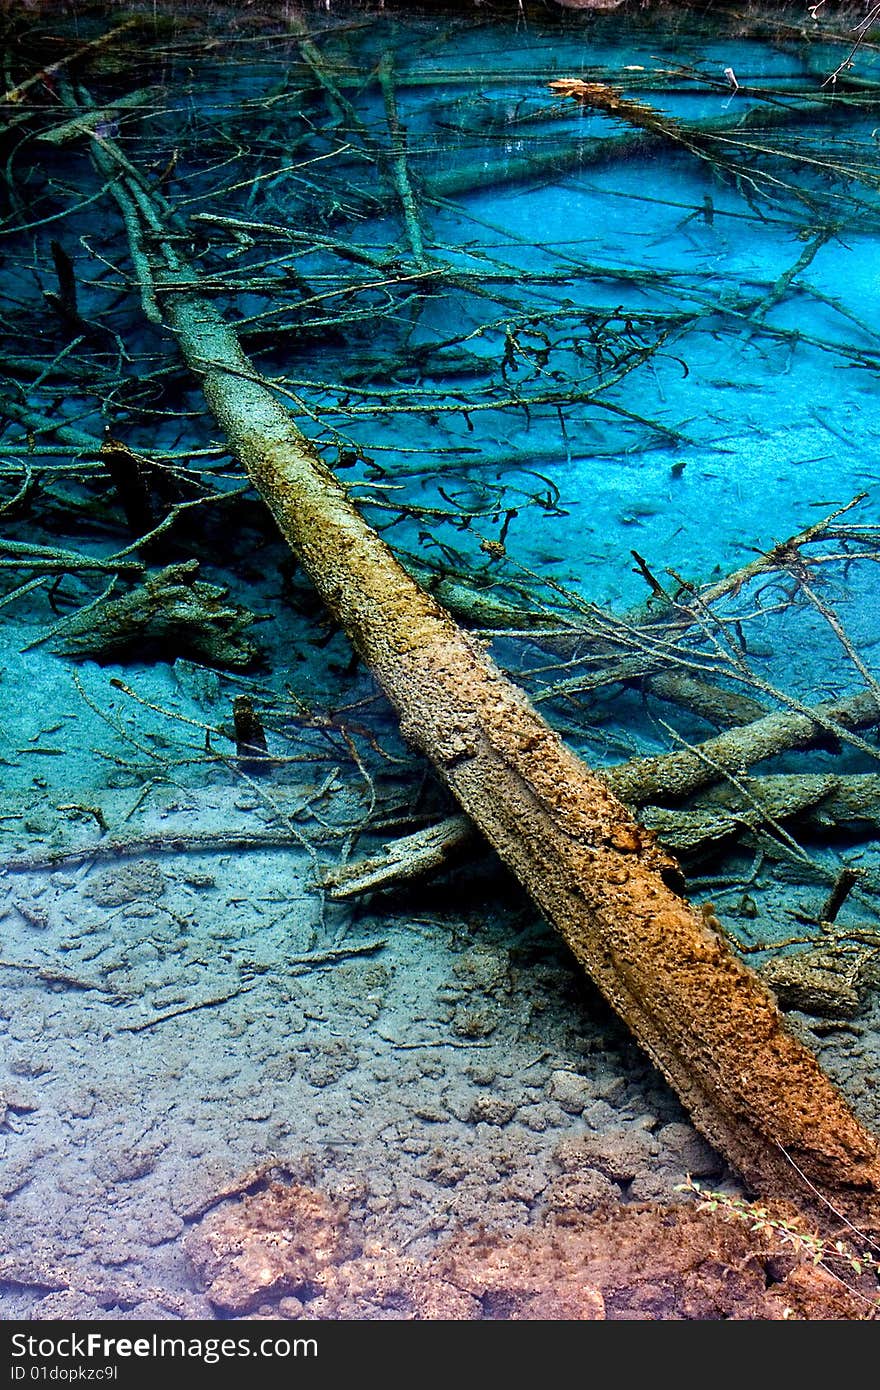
[707,1021]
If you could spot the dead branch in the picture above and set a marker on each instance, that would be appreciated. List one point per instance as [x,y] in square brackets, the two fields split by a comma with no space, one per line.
[710,702]
[55,977]
[172,842]
[413,856]
[845,882]
[400,171]
[13,96]
[213,1002]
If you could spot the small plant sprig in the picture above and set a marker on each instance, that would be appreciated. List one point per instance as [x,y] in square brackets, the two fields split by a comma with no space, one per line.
[814,1247]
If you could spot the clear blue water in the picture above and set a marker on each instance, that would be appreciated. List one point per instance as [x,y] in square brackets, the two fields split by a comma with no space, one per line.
[592,342]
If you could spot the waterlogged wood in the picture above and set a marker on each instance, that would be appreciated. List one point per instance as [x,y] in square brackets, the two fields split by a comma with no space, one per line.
[818,801]
[428,851]
[708,1022]
[829,800]
[674,776]
[564,157]
[13,96]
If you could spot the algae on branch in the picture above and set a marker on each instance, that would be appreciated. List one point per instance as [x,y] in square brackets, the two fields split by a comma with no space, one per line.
[171,614]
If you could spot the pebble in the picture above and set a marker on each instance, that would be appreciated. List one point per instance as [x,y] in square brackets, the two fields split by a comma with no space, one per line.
[610,1087]
[696,1157]
[620,1154]
[117,1165]
[482,1076]
[162,1224]
[119,887]
[478,1021]
[572,1091]
[537,1118]
[600,1115]
[30,1064]
[291,1307]
[491,1110]
[433,1114]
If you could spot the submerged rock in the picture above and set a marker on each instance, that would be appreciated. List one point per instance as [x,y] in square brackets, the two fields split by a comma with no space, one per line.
[289,1252]
[572,1091]
[491,1110]
[139,881]
[277,1243]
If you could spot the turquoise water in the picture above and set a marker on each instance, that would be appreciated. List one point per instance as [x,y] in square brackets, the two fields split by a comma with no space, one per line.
[534,340]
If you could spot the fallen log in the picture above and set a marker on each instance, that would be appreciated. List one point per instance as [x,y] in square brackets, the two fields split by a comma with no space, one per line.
[708,1023]
[398,163]
[511,171]
[14,96]
[673,776]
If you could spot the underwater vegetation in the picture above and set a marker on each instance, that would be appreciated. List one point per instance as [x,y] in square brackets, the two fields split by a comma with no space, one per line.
[433,444]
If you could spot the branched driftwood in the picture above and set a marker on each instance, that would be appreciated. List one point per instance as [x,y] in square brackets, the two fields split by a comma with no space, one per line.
[172,612]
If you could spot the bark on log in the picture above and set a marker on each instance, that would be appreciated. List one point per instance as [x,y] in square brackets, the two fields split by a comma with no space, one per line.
[673,776]
[707,1022]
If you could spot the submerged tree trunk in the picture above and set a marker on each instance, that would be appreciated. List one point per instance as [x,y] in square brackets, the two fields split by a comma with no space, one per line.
[706,1021]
